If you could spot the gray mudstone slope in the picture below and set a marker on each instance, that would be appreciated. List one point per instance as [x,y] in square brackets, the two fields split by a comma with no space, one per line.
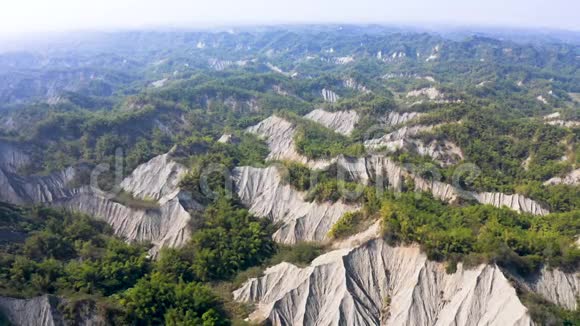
[376,284]
[279,135]
[264,193]
[155,180]
[372,283]
[382,170]
[342,122]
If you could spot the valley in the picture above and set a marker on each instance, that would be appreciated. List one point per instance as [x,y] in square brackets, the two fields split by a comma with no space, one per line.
[290,176]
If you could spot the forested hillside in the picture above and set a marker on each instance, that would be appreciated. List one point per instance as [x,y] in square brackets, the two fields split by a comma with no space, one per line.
[225,157]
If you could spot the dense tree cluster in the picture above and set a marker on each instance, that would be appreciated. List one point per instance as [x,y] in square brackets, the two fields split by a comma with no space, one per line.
[482,233]
[497,123]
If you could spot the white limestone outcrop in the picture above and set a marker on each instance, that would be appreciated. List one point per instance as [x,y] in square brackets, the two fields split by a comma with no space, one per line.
[39,311]
[397,118]
[555,119]
[342,122]
[396,139]
[45,311]
[353,84]
[265,194]
[156,180]
[516,202]
[159,83]
[572,178]
[219,65]
[279,135]
[344,60]
[166,226]
[374,284]
[442,151]
[12,158]
[329,96]
[556,286]
[225,138]
[386,173]
[564,123]
[431,93]
[542,99]
[21,190]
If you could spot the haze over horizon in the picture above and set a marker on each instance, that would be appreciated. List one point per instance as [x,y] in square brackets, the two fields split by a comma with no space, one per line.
[28,17]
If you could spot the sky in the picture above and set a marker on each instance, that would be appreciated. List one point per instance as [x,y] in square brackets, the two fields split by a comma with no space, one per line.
[24,17]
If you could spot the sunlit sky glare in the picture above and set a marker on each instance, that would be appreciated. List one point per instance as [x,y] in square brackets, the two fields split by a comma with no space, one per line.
[18,17]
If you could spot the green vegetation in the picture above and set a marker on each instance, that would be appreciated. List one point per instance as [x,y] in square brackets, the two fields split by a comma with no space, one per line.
[544,312]
[498,124]
[157,299]
[213,162]
[321,186]
[65,254]
[318,142]
[129,200]
[230,241]
[500,146]
[482,233]
[73,255]
[515,155]
[346,225]
[298,175]
[300,254]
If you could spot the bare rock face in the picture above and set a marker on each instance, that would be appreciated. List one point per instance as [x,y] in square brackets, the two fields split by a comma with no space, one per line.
[219,65]
[374,284]
[342,122]
[431,93]
[329,96]
[43,311]
[396,139]
[39,311]
[555,119]
[264,193]
[353,84]
[444,152]
[572,178]
[163,226]
[12,158]
[386,173]
[397,118]
[564,123]
[156,180]
[225,138]
[20,190]
[344,60]
[556,286]
[279,135]
[516,202]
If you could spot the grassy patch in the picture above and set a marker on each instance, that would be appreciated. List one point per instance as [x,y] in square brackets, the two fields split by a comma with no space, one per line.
[301,254]
[127,199]
[544,312]
[350,223]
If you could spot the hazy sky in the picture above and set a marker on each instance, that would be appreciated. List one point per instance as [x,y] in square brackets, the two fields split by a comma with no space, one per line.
[26,16]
